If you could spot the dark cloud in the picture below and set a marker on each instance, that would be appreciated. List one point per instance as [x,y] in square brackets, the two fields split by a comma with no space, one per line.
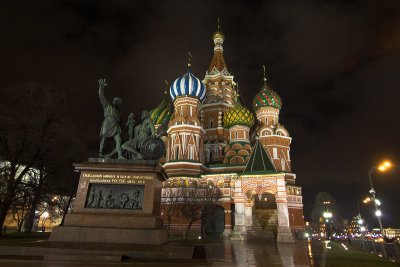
[335,64]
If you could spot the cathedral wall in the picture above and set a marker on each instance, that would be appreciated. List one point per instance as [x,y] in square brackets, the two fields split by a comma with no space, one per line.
[296,220]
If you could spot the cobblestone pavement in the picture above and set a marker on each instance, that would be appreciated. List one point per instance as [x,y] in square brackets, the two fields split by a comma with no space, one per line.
[224,253]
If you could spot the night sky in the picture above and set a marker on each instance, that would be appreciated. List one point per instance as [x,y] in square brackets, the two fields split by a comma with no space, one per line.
[336,65]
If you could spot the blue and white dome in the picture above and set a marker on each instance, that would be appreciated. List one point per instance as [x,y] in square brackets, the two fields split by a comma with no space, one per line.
[188,85]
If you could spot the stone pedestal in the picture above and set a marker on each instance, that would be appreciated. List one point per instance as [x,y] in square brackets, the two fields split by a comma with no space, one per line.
[117,201]
[284,234]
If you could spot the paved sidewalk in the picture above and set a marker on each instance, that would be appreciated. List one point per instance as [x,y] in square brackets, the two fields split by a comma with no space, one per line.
[224,253]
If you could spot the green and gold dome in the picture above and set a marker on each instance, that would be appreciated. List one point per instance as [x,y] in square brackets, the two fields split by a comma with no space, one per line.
[163,111]
[238,115]
[267,98]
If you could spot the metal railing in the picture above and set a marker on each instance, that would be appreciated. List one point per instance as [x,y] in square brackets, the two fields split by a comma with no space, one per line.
[392,249]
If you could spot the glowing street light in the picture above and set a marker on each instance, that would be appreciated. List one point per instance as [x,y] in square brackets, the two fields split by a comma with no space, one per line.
[327,215]
[383,167]
[387,164]
[45,215]
[366,200]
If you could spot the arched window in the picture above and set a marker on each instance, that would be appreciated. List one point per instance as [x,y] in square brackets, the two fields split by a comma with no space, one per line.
[216,154]
[211,123]
[177,152]
[275,152]
[191,152]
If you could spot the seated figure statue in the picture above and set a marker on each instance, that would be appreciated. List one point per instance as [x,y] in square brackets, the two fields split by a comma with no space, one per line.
[141,132]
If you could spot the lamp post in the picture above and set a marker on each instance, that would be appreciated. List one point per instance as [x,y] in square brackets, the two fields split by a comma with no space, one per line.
[327,216]
[45,215]
[384,166]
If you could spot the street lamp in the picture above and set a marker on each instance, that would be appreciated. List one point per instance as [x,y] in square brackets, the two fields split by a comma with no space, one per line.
[383,167]
[45,215]
[327,214]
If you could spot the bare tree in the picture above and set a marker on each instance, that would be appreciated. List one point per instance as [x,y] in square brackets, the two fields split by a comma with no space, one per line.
[29,122]
[19,210]
[198,203]
[170,203]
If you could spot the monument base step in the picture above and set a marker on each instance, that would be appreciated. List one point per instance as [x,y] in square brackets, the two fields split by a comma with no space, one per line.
[112,220]
[82,258]
[109,235]
[99,252]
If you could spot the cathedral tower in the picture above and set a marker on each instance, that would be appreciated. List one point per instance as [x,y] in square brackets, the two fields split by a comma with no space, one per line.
[220,97]
[273,136]
[239,120]
[185,132]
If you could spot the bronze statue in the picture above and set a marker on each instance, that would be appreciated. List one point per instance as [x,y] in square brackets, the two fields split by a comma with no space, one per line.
[141,132]
[143,142]
[111,127]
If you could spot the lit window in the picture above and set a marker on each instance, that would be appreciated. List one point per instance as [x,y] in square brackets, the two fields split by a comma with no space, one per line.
[275,152]
[191,152]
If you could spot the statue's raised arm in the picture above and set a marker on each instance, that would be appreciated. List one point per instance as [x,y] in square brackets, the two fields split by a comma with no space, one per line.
[103,100]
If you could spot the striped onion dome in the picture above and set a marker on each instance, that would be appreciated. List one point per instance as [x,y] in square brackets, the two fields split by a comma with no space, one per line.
[238,115]
[267,98]
[188,85]
[163,111]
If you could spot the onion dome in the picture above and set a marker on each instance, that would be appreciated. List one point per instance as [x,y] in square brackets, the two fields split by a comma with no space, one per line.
[188,85]
[238,115]
[267,97]
[163,111]
[218,34]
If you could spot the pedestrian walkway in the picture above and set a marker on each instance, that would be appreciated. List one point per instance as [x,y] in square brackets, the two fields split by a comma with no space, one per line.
[221,253]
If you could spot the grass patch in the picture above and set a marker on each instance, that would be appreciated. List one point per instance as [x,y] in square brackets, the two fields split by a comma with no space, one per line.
[337,256]
[17,238]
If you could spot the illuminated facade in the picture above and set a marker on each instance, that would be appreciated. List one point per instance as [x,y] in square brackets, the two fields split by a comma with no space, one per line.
[209,143]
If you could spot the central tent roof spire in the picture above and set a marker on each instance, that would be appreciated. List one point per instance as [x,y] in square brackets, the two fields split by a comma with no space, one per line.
[218,61]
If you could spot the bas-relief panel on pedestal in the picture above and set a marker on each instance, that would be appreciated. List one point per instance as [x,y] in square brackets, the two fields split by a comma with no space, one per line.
[115,196]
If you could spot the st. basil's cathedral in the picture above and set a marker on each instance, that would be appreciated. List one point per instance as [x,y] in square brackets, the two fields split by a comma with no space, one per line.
[209,141]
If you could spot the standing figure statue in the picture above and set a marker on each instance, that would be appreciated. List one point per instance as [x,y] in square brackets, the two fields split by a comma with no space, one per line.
[111,127]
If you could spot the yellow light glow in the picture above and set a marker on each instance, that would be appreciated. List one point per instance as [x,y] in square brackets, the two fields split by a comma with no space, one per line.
[387,164]
[382,168]
[367,200]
